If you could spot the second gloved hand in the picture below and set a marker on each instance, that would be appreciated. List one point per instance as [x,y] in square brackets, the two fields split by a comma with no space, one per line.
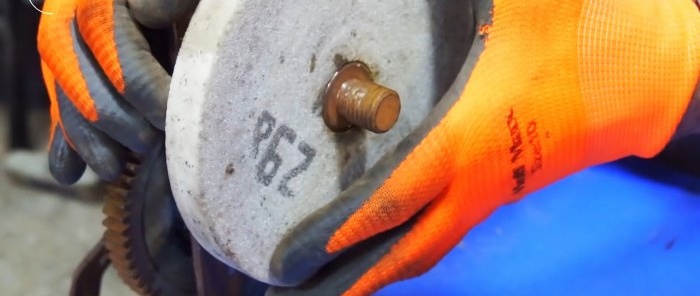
[108,93]
[559,86]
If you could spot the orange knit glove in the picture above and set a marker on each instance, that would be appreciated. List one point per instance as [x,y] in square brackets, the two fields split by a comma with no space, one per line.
[560,86]
[107,91]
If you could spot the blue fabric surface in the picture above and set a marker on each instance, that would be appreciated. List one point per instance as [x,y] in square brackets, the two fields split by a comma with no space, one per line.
[627,228]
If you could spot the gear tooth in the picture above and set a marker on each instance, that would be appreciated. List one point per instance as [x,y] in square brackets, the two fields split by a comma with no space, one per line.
[124,236]
[115,239]
[118,188]
[122,227]
[124,276]
[116,225]
[127,181]
[130,171]
[121,252]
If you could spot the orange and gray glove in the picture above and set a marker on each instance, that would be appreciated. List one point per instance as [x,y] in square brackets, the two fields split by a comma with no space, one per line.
[108,93]
[559,86]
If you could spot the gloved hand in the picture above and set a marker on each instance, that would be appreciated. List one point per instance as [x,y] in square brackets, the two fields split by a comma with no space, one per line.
[108,93]
[560,86]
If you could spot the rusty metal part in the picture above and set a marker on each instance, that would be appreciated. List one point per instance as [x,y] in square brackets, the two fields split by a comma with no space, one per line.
[146,239]
[148,245]
[141,234]
[353,99]
[87,278]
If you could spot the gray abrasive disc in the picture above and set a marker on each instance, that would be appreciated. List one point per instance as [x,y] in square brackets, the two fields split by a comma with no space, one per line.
[248,152]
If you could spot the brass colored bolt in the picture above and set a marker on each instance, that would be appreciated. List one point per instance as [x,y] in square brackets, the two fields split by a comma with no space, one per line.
[353,99]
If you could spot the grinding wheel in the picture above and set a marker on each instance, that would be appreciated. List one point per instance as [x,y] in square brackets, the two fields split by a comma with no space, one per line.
[248,151]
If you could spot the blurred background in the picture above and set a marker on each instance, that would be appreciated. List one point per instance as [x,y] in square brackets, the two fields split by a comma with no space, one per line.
[45,229]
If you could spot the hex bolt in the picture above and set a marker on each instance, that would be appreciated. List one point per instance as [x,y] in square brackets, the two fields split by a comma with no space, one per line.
[353,99]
